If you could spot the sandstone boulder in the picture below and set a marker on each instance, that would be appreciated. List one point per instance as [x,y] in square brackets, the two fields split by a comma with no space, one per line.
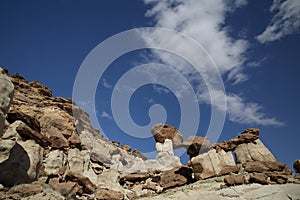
[253,151]
[176,177]
[210,164]
[87,186]
[235,180]
[258,178]
[161,132]
[20,160]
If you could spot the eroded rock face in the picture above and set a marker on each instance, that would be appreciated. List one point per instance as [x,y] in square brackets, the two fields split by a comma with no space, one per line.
[211,163]
[247,136]
[161,132]
[253,151]
[7,92]
[20,160]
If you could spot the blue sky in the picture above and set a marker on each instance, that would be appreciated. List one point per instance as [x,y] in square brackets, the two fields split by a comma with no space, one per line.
[254,44]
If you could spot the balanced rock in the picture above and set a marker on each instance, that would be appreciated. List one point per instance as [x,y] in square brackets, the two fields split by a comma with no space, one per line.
[7,92]
[296,166]
[195,144]
[161,132]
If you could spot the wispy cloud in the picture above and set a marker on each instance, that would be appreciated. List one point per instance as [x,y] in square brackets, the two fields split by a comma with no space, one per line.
[106,115]
[159,89]
[106,84]
[285,22]
[204,21]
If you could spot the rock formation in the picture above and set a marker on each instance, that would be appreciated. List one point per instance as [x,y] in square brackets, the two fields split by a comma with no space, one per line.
[296,166]
[49,150]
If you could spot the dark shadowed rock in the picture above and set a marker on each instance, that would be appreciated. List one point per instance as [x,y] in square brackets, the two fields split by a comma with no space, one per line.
[193,145]
[296,166]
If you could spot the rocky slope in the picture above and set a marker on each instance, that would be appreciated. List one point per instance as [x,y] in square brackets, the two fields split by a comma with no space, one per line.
[49,150]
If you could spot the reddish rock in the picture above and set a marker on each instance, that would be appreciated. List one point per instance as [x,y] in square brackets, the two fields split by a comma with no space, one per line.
[194,144]
[32,122]
[274,166]
[229,169]
[176,177]
[287,171]
[246,136]
[255,166]
[43,90]
[84,182]
[278,178]
[74,140]
[161,132]
[117,144]
[260,178]
[138,154]
[235,180]
[126,148]
[28,133]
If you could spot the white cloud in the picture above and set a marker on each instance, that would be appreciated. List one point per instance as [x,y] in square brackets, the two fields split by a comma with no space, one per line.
[159,89]
[204,21]
[106,115]
[285,22]
[106,84]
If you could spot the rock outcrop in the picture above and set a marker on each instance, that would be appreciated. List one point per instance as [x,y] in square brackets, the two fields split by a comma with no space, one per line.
[210,164]
[161,132]
[49,150]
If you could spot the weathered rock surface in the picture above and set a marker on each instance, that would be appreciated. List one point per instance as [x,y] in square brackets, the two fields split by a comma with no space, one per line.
[210,164]
[247,136]
[209,189]
[50,151]
[20,160]
[6,91]
[253,151]
[161,132]
[235,180]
